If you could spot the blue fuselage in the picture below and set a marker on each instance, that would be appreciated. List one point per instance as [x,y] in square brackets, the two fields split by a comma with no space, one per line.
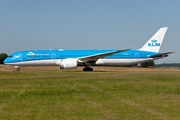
[25,57]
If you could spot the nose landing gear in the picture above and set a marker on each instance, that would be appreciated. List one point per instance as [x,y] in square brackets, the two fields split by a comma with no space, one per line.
[18,69]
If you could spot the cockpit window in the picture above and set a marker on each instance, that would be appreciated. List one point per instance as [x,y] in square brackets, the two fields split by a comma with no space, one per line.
[10,56]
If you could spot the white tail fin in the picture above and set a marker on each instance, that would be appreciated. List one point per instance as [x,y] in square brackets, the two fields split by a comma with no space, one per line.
[155,42]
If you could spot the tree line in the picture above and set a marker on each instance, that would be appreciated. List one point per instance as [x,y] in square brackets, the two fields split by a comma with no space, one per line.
[168,65]
[3,56]
[144,65]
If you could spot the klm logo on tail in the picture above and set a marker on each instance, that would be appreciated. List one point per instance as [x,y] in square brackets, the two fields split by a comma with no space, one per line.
[154,44]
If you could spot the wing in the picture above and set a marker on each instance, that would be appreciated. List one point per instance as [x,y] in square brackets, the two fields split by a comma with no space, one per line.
[161,55]
[100,55]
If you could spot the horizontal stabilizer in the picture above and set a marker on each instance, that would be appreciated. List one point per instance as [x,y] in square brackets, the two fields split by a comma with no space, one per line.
[162,54]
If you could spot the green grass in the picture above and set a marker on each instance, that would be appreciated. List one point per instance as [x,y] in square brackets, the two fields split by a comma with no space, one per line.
[89,95]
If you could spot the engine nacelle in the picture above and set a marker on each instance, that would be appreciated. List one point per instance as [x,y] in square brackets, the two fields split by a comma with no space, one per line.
[68,64]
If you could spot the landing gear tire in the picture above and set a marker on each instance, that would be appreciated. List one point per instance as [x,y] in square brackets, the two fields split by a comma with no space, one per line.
[87,69]
[18,69]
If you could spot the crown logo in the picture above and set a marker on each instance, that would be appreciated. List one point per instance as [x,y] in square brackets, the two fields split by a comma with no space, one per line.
[154,41]
[30,53]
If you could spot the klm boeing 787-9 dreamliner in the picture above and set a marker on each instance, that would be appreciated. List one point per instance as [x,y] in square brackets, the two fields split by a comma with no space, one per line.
[69,59]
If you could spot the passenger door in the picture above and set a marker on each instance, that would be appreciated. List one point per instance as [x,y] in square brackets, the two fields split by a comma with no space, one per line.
[53,58]
[20,56]
[137,55]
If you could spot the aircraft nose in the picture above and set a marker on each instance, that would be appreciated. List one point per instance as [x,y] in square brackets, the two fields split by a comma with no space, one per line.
[5,61]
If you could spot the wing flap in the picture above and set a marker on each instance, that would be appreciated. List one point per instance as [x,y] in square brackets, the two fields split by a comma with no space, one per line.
[98,56]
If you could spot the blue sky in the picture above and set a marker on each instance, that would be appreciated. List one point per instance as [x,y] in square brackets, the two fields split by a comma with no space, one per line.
[88,24]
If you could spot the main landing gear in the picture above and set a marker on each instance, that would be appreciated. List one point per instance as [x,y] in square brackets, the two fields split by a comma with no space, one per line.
[87,67]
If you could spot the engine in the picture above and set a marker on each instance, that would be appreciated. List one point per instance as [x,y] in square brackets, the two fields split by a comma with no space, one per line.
[68,64]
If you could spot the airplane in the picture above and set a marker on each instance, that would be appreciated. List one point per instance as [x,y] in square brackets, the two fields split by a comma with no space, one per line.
[70,59]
